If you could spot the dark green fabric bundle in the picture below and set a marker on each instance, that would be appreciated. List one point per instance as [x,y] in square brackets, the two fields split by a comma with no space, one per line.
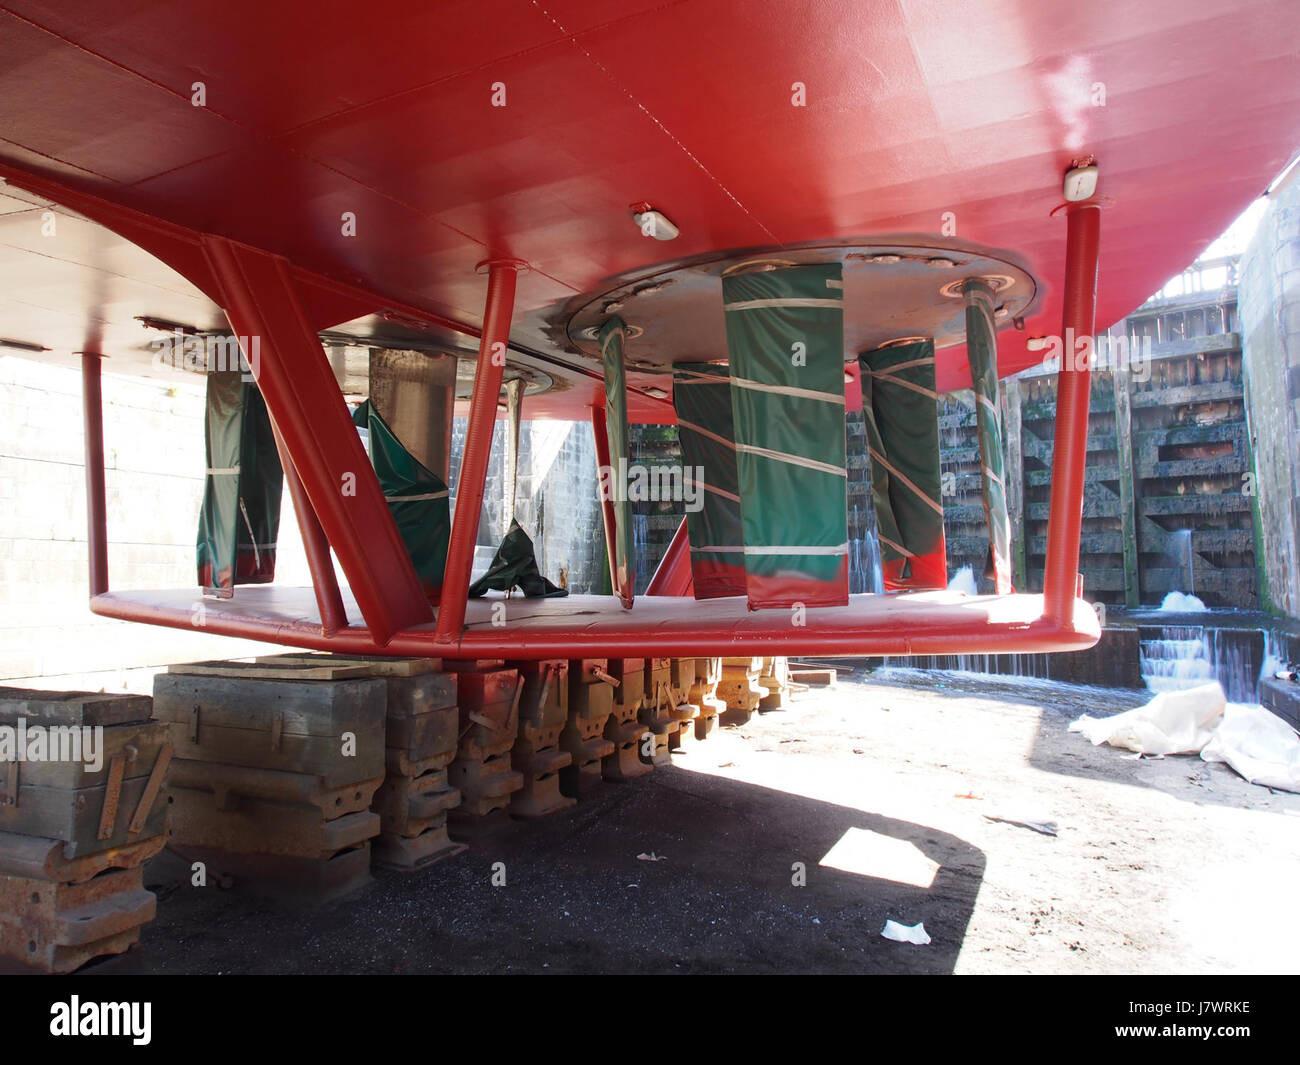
[515,566]
[416,497]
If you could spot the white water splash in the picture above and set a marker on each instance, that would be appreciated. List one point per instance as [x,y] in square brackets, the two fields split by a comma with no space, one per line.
[964,581]
[1182,603]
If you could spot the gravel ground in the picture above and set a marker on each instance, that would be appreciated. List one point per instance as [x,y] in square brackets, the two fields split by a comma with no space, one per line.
[1171,865]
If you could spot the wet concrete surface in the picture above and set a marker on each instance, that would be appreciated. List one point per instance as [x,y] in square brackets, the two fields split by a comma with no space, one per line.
[1151,863]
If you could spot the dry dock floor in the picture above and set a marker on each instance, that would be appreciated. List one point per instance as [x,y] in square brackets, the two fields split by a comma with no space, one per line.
[1158,866]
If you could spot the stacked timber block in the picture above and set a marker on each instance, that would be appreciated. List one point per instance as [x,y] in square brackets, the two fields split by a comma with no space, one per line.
[588,710]
[774,679]
[704,694]
[488,693]
[624,728]
[421,726]
[276,768]
[739,688]
[543,713]
[685,680]
[663,710]
[83,805]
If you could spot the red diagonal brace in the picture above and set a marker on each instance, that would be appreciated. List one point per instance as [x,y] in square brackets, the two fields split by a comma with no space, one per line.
[306,406]
[488,375]
[1070,450]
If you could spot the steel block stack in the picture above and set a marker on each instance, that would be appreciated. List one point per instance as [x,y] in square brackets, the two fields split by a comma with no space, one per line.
[590,705]
[77,822]
[543,713]
[739,688]
[420,743]
[774,679]
[624,728]
[663,711]
[488,693]
[704,694]
[277,766]
[684,682]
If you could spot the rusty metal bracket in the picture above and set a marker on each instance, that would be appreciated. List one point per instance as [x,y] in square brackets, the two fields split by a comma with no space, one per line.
[151,790]
[596,671]
[277,728]
[194,725]
[108,816]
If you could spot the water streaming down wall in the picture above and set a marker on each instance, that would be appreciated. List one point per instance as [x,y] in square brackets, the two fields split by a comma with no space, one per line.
[1177,657]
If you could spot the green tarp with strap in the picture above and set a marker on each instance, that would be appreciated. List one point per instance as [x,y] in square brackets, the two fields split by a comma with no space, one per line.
[785,339]
[416,497]
[613,337]
[901,409]
[239,521]
[515,566]
[982,351]
[702,399]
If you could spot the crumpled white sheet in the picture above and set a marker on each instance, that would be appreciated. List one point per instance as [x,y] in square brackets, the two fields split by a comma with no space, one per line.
[1179,722]
[1257,744]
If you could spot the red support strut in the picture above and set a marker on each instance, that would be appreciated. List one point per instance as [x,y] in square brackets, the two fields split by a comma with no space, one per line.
[1070,450]
[478,446]
[304,402]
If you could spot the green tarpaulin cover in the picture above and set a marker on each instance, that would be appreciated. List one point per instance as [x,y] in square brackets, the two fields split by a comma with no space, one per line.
[982,350]
[239,521]
[901,408]
[702,399]
[416,497]
[785,338]
[613,336]
[515,566]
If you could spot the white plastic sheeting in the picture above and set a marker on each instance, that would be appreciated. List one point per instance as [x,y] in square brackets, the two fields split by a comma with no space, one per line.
[1257,744]
[1178,722]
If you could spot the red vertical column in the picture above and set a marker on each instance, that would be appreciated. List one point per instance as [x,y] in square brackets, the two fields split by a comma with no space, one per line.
[488,375]
[1070,450]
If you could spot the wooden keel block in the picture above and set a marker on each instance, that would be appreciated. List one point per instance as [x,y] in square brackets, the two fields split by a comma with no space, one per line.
[332,729]
[257,827]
